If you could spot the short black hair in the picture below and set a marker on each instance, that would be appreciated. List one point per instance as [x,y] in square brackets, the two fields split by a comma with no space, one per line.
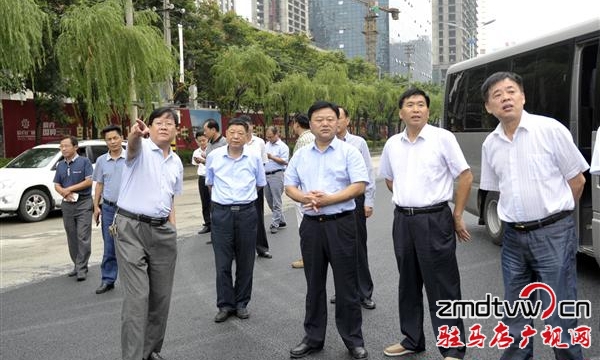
[302,120]
[73,139]
[199,133]
[238,121]
[496,78]
[212,124]
[110,128]
[320,104]
[160,112]
[344,110]
[412,92]
[246,118]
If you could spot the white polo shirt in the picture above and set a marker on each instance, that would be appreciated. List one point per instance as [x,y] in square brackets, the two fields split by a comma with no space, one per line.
[423,171]
[532,170]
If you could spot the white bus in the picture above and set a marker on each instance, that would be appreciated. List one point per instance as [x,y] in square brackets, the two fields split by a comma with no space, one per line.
[560,75]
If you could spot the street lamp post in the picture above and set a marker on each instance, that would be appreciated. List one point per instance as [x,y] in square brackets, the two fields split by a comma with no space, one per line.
[166,9]
[471,39]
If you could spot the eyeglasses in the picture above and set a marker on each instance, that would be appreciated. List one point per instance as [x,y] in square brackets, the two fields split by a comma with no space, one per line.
[163,124]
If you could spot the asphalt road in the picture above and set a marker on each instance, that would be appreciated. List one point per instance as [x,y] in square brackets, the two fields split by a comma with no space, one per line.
[53,317]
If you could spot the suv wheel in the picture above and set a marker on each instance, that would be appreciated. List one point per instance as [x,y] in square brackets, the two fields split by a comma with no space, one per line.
[34,206]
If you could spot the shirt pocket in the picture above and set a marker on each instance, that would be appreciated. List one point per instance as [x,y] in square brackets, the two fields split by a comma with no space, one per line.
[539,167]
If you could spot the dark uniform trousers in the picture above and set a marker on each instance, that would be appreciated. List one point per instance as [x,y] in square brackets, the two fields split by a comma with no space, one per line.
[262,245]
[233,234]
[425,248]
[365,282]
[77,219]
[204,199]
[331,242]
[146,255]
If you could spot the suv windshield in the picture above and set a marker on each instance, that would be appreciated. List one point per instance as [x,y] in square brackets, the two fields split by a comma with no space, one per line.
[33,158]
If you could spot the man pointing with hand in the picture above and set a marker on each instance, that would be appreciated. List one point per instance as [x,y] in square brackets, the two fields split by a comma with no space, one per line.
[146,235]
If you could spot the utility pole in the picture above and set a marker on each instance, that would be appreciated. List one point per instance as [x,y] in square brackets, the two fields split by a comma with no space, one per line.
[167,34]
[133,113]
[409,50]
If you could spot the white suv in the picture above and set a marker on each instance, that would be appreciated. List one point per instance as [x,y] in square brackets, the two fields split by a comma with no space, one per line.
[26,183]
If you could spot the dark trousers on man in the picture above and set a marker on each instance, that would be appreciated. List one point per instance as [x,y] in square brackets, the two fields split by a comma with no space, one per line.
[425,248]
[234,238]
[262,245]
[325,240]
[108,268]
[77,219]
[204,199]
[365,282]
[147,255]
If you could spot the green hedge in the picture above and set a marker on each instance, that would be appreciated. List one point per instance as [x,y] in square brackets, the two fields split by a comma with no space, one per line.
[4,161]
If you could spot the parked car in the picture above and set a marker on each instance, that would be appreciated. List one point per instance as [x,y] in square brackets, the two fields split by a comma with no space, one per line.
[26,182]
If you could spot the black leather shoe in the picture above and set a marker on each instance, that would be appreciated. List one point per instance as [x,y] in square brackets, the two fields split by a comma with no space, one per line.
[223,315]
[302,350]
[104,287]
[72,273]
[205,229]
[155,356]
[209,242]
[242,313]
[266,255]
[359,352]
[332,300]
[282,224]
[81,275]
[368,304]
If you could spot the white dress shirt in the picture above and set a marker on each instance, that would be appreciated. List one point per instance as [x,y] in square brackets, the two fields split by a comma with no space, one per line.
[532,170]
[422,171]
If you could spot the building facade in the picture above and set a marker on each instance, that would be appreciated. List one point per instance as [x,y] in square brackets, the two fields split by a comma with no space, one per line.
[339,25]
[285,16]
[410,40]
[454,34]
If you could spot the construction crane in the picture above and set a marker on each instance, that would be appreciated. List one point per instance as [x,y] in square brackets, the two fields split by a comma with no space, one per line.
[370,29]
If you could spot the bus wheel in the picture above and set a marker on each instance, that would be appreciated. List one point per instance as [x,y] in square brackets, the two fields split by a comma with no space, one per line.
[493,226]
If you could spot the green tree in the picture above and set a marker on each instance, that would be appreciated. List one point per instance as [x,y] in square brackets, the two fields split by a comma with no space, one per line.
[332,84]
[23,25]
[240,72]
[97,53]
[293,94]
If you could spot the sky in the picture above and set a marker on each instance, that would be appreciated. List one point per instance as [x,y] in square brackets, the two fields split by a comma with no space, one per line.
[520,20]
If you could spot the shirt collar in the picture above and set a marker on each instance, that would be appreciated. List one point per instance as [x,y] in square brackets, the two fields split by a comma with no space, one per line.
[425,132]
[334,144]
[72,160]
[155,147]
[122,155]
[525,123]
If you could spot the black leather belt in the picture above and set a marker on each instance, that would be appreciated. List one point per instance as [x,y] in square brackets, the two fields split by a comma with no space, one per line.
[538,224]
[110,203]
[273,172]
[322,218]
[143,218]
[410,211]
[234,207]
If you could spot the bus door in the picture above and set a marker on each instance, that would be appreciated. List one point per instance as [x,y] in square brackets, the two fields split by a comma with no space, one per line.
[596,209]
[588,122]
